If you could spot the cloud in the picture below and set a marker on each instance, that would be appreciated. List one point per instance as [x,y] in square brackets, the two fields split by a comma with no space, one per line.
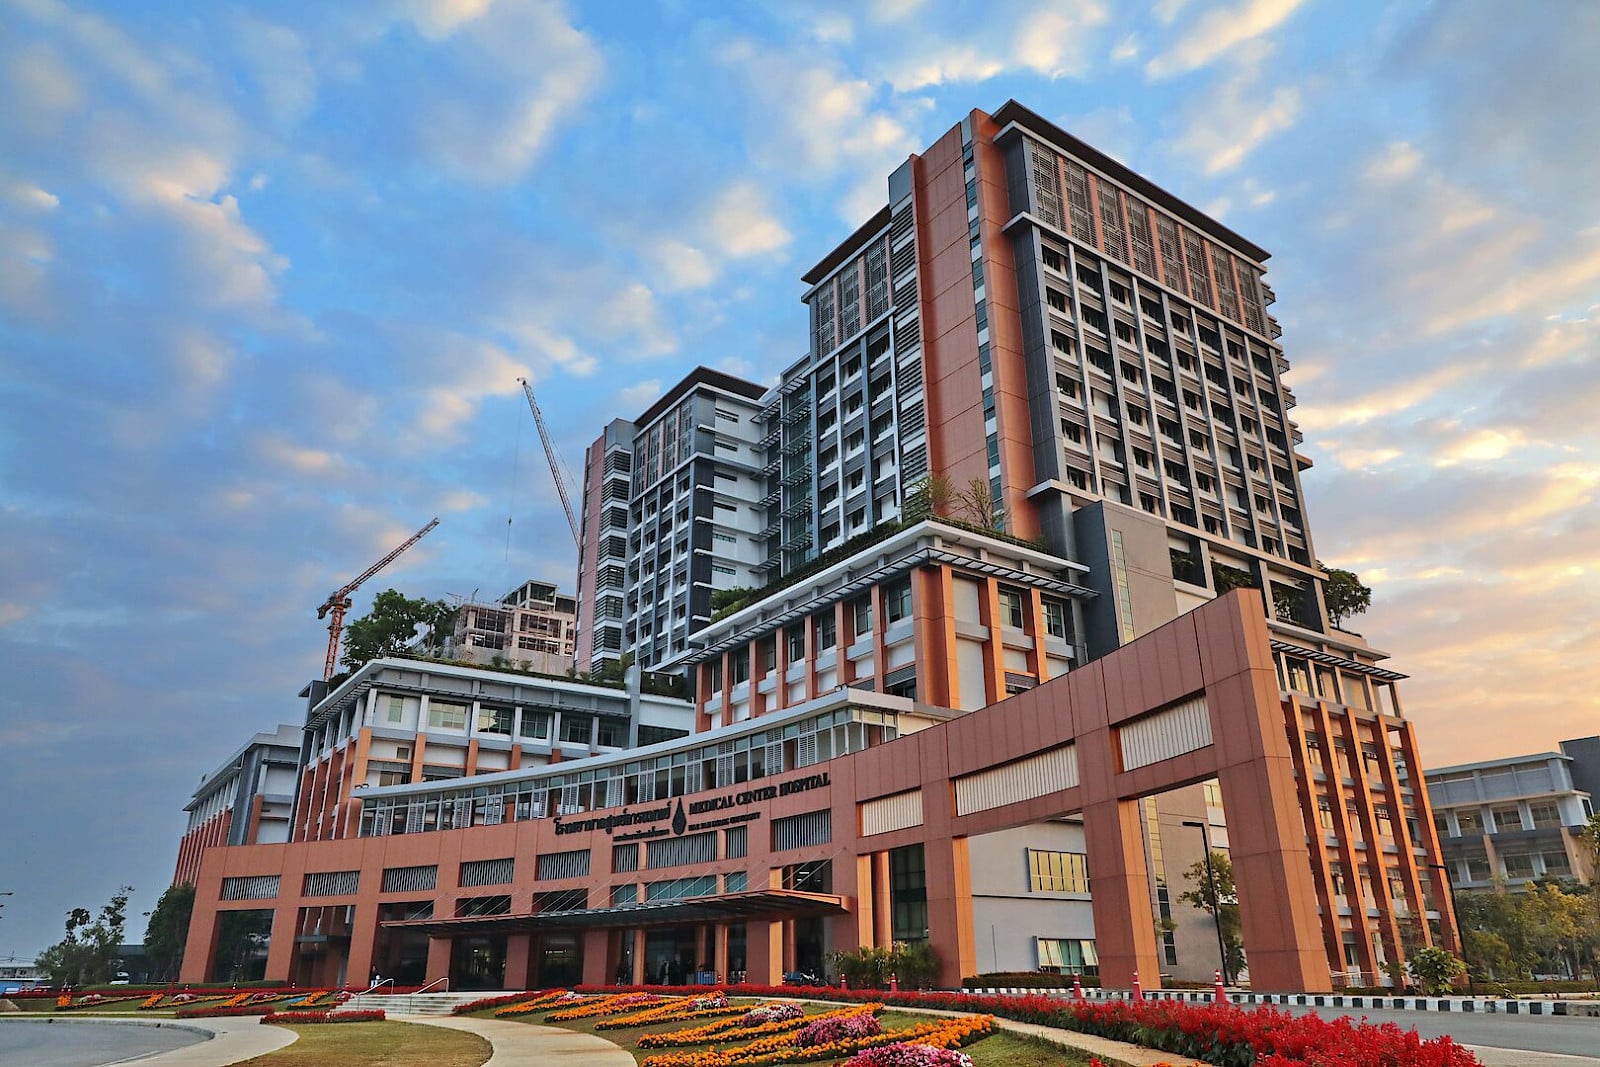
[1241,113]
[1219,30]
[504,76]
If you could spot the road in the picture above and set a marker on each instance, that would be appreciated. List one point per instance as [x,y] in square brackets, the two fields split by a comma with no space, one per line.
[29,1043]
[1498,1039]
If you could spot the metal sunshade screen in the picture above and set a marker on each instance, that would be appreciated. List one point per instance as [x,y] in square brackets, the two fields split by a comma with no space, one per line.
[410,879]
[332,883]
[1048,772]
[563,865]
[257,887]
[488,872]
[798,831]
[677,851]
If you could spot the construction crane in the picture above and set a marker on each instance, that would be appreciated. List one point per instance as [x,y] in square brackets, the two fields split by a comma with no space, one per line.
[338,601]
[557,466]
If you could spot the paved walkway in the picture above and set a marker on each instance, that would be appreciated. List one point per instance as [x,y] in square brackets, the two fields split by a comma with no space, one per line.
[530,1044]
[231,1040]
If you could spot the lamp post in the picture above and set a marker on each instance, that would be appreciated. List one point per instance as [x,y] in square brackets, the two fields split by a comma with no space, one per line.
[1216,897]
[1455,923]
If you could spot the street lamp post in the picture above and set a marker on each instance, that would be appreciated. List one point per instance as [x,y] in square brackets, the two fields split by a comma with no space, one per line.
[1455,923]
[1216,897]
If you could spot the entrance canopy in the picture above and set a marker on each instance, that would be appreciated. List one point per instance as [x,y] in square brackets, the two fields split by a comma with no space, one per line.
[727,908]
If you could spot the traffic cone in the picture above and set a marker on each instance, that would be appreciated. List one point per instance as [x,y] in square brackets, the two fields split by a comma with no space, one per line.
[1221,994]
[894,982]
[844,982]
[1138,991]
[1077,988]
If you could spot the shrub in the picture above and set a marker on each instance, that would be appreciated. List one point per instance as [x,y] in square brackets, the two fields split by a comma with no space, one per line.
[1030,980]
[1435,970]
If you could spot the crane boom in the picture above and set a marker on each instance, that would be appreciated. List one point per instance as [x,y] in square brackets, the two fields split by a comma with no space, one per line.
[338,601]
[555,461]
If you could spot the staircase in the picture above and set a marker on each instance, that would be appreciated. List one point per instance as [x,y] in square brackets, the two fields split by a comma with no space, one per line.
[412,1003]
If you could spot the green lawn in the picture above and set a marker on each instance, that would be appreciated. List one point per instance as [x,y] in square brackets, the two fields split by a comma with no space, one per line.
[386,1044]
[997,1050]
[48,1004]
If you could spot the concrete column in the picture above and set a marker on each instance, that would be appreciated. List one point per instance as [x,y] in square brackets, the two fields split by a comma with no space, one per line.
[519,960]
[719,951]
[787,927]
[597,969]
[200,946]
[438,959]
[638,976]
[280,953]
[764,952]
[363,942]
[949,888]
[882,905]
[702,949]
[1124,934]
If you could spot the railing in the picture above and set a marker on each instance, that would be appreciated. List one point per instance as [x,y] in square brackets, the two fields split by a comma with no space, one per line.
[379,984]
[411,1001]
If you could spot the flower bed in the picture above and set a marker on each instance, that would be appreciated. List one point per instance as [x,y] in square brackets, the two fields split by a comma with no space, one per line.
[681,1010]
[300,1018]
[902,1054]
[502,1001]
[781,1022]
[214,1012]
[771,1013]
[541,1003]
[1223,1034]
[90,1000]
[786,1049]
[612,1005]
[839,1028]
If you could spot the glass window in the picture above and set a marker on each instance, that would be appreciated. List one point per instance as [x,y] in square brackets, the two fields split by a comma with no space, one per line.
[796,636]
[1518,865]
[897,600]
[1507,818]
[494,720]
[1057,872]
[1545,814]
[536,724]
[447,716]
[613,732]
[741,667]
[714,669]
[1011,608]
[863,612]
[397,708]
[827,635]
[908,894]
[1470,821]
[1298,674]
[1557,865]
[1057,619]
[576,729]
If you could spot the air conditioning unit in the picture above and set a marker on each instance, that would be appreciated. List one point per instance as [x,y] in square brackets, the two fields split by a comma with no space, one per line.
[402,752]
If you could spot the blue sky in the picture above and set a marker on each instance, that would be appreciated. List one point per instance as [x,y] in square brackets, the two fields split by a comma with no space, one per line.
[269,272]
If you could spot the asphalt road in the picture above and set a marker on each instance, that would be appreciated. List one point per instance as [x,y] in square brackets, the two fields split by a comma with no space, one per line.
[30,1043]
[1558,1034]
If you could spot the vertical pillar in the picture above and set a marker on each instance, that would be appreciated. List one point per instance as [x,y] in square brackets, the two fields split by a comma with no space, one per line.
[719,951]
[994,649]
[949,889]
[764,952]
[363,942]
[438,958]
[519,960]
[1124,936]
[934,635]
[638,977]
[789,961]
[597,970]
[200,946]
[702,950]
[882,903]
[280,952]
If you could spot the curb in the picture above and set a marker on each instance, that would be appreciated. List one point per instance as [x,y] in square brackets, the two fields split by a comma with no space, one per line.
[1482,1005]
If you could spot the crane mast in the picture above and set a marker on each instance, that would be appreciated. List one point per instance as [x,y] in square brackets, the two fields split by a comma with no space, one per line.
[338,601]
[556,463]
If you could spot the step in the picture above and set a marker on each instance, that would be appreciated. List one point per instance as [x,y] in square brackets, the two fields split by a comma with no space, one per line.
[413,1003]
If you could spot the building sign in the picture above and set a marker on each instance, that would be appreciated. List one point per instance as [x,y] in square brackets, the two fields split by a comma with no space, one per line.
[678,819]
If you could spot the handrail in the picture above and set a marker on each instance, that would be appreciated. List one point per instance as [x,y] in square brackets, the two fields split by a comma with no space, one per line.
[379,984]
[412,998]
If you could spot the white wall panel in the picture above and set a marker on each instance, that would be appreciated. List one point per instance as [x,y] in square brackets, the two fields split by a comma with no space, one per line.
[898,812]
[1048,772]
[1184,727]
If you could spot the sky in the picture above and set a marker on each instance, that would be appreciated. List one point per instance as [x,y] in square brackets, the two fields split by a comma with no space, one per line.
[269,273]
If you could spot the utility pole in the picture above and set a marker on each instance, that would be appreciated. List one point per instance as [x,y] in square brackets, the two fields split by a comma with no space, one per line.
[1216,898]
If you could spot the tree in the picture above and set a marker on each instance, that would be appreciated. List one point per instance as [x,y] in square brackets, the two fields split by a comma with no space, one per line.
[1345,595]
[391,627]
[88,954]
[1435,970]
[168,931]
[1215,894]
[930,498]
[976,504]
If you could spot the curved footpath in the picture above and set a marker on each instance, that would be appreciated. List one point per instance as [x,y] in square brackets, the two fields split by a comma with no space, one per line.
[231,1039]
[524,1044]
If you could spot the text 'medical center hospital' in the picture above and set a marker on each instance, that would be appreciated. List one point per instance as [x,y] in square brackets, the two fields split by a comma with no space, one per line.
[993,615]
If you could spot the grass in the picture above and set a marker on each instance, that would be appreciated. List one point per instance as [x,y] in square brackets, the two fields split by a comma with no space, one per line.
[384,1044]
[997,1050]
[48,1005]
